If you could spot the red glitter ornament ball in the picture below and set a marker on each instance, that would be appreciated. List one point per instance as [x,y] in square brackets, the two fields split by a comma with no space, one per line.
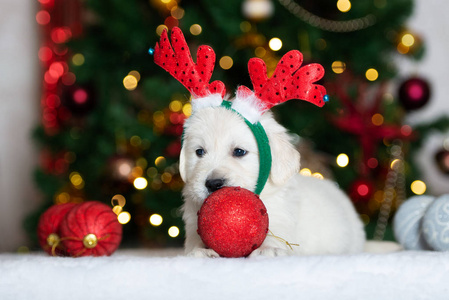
[91,229]
[233,221]
[48,228]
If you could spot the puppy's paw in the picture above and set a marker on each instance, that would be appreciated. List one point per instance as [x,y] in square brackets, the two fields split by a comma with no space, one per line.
[270,252]
[202,252]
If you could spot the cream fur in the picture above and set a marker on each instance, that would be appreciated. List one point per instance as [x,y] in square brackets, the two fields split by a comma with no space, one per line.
[311,212]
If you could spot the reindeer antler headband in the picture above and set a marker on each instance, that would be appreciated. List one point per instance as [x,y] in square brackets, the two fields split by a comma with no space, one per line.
[289,81]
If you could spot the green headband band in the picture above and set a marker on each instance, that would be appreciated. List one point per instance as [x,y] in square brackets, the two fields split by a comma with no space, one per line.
[264,149]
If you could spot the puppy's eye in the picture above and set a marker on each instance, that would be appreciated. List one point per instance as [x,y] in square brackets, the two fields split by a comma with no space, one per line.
[200,152]
[239,152]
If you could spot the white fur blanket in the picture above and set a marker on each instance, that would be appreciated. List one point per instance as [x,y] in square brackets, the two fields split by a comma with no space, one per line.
[149,275]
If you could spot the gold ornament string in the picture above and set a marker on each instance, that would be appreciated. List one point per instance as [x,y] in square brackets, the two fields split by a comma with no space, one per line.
[326,24]
[282,240]
[58,242]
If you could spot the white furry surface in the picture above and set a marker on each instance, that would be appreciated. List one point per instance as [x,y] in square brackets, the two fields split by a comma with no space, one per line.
[145,274]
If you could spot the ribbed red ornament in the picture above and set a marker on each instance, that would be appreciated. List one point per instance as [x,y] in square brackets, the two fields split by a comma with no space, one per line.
[233,221]
[91,229]
[48,228]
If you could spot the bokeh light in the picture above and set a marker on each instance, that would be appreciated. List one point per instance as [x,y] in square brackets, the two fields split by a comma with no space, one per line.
[156,219]
[124,217]
[338,67]
[344,5]
[371,74]
[226,62]
[408,40]
[342,160]
[275,44]
[418,187]
[173,231]
[140,183]
[196,29]
[130,82]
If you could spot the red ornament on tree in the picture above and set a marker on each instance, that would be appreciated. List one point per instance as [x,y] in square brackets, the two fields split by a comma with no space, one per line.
[414,93]
[48,228]
[233,221]
[91,229]
[361,190]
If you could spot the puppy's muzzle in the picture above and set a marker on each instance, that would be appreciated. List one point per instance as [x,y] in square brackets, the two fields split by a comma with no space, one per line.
[214,184]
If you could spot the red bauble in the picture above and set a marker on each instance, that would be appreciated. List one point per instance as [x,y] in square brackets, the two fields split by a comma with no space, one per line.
[414,93]
[91,228]
[361,190]
[48,228]
[233,221]
[79,100]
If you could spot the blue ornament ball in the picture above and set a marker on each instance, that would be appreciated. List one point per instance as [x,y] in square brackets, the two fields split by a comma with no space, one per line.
[435,225]
[407,223]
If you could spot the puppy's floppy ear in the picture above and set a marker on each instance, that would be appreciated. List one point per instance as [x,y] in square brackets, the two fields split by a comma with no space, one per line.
[182,163]
[285,158]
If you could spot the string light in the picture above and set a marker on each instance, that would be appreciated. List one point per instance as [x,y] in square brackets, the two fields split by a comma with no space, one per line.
[43,17]
[245,26]
[196,29]
[78,59]
[187,109]
[161,29]
[160,161]
[76,180]
[173,231]
[342,160]
[166,177]
[156,220]
[152,172]
[135,141]
[371,74]
[305,172]
[372,163]
[226,62]
[177,12]
[175,106]
[118,200]
[62,198]
[418,187]
[117,209]
[130,82]
[377,119]
[343,5]
[275,44]
[408,40]
[318,175]
[260,52]
[338,67]
[326,24]
[124,217]
[140,183]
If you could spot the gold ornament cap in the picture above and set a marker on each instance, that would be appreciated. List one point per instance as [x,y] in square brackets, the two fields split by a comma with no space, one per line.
[90,241]
[53,239]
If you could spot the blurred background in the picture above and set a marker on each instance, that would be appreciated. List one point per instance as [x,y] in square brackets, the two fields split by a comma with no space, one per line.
[87,115]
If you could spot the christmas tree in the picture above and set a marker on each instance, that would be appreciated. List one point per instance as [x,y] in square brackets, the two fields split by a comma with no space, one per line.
[112,119]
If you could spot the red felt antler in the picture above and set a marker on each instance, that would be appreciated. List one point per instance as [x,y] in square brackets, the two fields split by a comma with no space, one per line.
[289,81]
[178,62]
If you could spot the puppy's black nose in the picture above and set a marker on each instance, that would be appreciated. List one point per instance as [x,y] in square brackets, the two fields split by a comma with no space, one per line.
[214,184]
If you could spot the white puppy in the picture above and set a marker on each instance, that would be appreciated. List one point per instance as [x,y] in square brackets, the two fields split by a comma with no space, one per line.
[219,150]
